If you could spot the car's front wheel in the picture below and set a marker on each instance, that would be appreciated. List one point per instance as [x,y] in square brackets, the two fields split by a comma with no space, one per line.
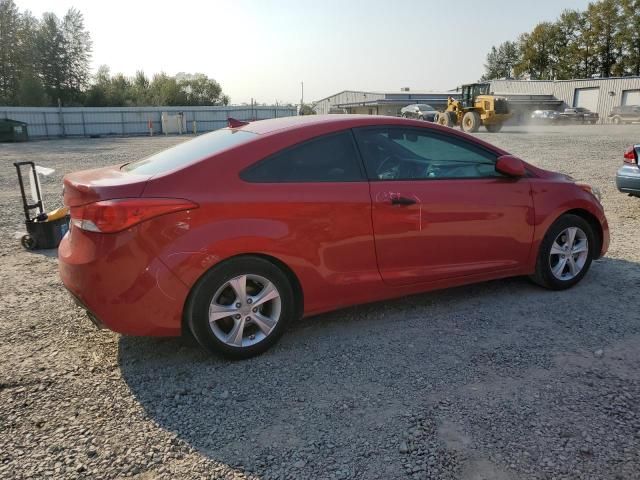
[565,253]
[240,308]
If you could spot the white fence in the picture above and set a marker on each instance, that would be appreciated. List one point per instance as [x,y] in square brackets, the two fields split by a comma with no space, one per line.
[122,121]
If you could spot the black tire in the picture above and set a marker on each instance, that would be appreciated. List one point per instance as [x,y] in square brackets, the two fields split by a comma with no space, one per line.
[616,120]
[420,117]
[544,275]
[28,242]
[471,122]
[494,127]
[197,308]
[445,119]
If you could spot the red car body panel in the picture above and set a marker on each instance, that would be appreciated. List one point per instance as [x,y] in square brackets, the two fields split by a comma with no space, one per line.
[455,228]
[122,282]
[344,242]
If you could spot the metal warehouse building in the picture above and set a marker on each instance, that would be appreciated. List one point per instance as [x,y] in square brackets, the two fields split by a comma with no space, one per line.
[390,103]
[377,103]
[598,95]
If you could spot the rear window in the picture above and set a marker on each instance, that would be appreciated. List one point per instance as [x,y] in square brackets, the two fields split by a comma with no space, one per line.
[189,152]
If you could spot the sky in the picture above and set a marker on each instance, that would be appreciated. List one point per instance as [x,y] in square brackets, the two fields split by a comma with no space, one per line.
[264,49]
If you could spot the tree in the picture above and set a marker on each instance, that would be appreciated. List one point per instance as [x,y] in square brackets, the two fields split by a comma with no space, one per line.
[119,90]
[77,53]
[306,109]
[539,52]
[30,91]
[604,18]
[51,54]
[604,39]
[501,61]
[570,36]
[140,88]
[164,90]
[98,93]
[63,51]
[201,90]
[10,60]
[630,26]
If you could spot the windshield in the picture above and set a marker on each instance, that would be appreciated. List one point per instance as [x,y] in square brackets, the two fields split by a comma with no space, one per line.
[481,89]
[189,152]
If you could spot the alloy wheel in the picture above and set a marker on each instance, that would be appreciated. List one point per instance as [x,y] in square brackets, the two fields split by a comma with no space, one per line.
[245,310]
[569,253]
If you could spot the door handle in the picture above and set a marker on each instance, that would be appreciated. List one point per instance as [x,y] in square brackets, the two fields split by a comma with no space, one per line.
[402,201]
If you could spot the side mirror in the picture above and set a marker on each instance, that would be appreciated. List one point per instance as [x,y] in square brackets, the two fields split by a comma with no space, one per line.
[511,166]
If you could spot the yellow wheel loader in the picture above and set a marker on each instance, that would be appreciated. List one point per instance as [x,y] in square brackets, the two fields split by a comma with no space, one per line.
[476,107]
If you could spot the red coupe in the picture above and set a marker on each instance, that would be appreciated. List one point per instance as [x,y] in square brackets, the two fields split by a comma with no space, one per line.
[236,233]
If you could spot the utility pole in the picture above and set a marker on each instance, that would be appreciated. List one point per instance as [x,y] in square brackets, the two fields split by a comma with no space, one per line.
[302,95]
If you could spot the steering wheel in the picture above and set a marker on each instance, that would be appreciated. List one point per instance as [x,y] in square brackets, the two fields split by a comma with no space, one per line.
[388,168]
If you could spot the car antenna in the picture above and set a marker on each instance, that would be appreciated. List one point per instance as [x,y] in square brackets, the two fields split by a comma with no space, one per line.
[233,123]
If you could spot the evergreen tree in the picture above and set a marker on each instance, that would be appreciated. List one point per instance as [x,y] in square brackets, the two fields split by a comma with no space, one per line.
[10,59]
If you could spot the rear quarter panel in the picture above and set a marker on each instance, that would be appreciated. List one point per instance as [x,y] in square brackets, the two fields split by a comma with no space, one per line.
[322,231]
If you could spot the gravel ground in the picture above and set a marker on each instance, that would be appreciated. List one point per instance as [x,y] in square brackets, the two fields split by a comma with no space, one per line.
[500,380]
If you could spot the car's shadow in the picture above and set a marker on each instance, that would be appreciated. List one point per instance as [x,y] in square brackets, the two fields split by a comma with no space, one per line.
[339,389]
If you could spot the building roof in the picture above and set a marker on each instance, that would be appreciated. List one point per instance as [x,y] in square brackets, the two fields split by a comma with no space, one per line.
[381,92]
[596,79]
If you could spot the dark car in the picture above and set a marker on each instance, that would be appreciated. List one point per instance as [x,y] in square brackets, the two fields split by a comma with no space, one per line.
[544,116]
[628,176]
[238,232]
[420,111]
[579,115]
[625,114]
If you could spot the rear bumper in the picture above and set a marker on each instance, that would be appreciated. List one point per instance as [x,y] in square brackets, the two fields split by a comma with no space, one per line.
[628,179]
[121,285]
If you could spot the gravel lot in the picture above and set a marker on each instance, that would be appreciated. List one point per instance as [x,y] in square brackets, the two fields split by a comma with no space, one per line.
[501,380]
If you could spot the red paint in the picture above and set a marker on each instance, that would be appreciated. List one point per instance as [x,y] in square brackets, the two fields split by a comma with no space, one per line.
[345,242]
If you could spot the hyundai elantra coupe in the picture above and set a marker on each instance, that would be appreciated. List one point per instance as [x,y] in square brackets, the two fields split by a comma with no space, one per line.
[235,234]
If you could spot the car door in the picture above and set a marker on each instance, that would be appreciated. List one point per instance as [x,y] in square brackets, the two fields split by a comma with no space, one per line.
[439,208]
[313,199]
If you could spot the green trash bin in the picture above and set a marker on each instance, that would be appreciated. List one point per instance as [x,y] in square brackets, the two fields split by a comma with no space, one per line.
[13,131]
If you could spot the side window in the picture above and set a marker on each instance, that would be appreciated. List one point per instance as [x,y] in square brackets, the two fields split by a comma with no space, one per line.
[331,158]
[408,154]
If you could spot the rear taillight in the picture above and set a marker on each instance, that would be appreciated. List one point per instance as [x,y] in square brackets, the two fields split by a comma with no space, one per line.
[630,155]
[110,216]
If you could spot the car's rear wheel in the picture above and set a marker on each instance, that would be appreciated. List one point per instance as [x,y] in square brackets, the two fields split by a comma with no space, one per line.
[565,253]
[240,308]
[616,120]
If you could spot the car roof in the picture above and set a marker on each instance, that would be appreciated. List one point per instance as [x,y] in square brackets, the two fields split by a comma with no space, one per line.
[273,125]
[328,123]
